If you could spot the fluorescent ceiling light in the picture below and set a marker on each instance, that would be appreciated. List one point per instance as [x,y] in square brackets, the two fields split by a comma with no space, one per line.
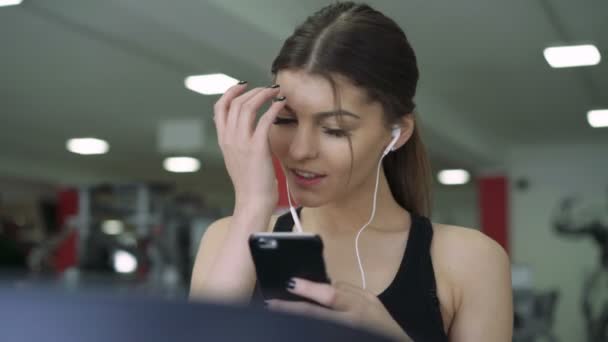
[9,2]
[454,177]
[124,262]
[112,227]
[210,84]
[572,56]
[598,118]
[87,146]
[181,164]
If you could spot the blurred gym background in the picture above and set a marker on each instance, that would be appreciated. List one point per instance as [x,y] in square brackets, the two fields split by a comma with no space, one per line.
[110,170]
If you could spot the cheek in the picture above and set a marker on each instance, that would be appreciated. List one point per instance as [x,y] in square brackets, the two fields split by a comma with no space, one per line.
[339,156]
[364,160]
[279,142]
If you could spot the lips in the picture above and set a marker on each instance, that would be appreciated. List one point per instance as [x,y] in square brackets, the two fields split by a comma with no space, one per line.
[311,179]
[307,174]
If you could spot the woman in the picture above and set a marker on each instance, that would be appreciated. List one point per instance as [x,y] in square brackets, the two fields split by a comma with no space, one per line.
[344,80]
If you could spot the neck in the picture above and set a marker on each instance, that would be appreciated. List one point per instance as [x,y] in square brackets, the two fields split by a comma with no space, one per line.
[349,214]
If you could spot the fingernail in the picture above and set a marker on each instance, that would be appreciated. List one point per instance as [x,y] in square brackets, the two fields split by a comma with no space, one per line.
[273,86]
[291,284]
[242,82]
[279,99]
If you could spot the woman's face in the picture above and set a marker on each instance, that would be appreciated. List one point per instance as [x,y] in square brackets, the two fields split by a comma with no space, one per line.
[308,137]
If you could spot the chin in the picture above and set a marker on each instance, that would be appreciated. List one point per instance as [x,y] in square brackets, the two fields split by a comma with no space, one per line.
[308,200]
[327,193]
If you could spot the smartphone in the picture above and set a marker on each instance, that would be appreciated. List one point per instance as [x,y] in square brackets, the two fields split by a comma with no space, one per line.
[280,256]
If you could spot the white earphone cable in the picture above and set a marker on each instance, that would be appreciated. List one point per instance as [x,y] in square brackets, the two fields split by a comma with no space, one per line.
[294,214]
[368,222]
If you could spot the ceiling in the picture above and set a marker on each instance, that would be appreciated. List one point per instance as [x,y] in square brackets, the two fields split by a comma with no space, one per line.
[115,70]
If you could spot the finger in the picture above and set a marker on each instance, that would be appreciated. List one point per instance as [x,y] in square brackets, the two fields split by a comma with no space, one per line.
[349,290]
[235,110]
[266,120]
[354,296]
[322,293]
[222,105]
[304,308]
[250,108]
[247,125]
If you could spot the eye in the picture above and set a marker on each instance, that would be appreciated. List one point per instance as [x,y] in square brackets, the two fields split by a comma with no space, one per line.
[338,133]
[283,121]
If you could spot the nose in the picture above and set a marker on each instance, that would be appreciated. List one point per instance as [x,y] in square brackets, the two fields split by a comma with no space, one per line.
[304,145]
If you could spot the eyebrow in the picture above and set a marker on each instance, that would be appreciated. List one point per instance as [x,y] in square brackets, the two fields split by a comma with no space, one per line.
[325,115]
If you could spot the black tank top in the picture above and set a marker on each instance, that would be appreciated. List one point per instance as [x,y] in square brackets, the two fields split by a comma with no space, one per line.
[411,298]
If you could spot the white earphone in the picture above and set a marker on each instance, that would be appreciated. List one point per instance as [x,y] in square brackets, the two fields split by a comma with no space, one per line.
[395,133]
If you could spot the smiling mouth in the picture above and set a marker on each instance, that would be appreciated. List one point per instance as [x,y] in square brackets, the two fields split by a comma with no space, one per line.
[306,174]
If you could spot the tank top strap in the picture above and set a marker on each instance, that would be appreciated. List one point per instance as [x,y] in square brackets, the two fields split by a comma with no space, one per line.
[415,284]
[285,222]
[419,242]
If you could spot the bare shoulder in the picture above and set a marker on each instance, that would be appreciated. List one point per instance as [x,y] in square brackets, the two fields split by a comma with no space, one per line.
[463,247]
[466,255]
[476,275]
[465,242]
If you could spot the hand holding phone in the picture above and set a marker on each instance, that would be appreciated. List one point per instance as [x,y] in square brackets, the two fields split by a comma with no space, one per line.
[279,257]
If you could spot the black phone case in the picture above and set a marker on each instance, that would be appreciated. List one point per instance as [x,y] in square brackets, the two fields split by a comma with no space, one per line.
[294,255]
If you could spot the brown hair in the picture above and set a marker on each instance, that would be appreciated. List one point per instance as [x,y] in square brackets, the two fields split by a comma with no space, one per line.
[370,50]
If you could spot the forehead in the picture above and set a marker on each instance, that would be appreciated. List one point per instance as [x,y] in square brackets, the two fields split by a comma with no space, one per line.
[306,91]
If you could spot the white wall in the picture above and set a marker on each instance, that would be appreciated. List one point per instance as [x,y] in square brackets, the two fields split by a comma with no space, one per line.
[456,205]
[553,173]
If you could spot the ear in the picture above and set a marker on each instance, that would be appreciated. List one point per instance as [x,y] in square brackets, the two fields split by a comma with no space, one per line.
[407,124]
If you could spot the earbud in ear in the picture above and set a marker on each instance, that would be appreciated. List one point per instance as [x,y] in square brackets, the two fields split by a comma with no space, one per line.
[396,132]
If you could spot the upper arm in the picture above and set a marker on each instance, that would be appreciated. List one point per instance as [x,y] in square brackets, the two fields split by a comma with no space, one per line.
[207,250]
[485,309]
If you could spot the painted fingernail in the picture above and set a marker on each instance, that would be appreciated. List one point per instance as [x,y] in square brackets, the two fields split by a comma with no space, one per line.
[274,86]
[291,284]
[279,99]
[242,82]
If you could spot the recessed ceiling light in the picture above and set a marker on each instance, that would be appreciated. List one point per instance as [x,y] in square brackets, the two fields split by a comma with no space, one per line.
[210,84]
[181,164]
[598,118]
[10,2]
[454,177]
[572,56]
[87,146]
[112,227]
